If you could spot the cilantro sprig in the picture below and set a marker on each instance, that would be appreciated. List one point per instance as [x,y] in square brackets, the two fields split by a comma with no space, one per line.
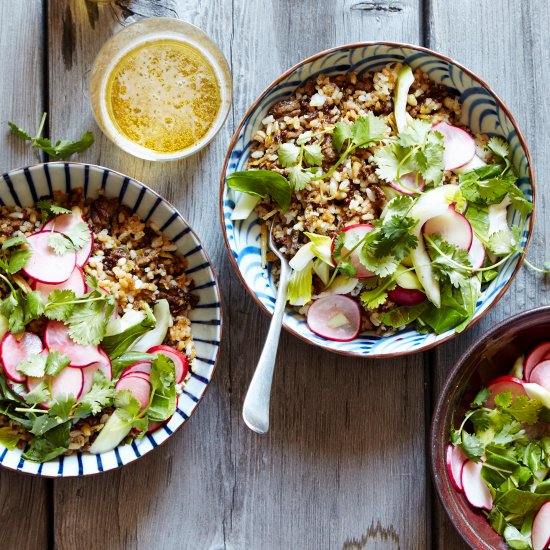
[59,150]
[363,133]
[293,157]
[418,149]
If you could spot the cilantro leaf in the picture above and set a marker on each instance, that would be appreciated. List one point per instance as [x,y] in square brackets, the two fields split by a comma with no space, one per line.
[56,362]
[377,296]
[17,260]
[499,147]
[14,241]
[472,446]
[100,396]
[391,237]
[8,438]
[163,389]
[393,161]
[415,133]
[34,365]
[50,210]
[525,410]
[62,148]
[60,305]
[50,445]
[519,202]
[79,235]
[401,316]
[87,323]
[288,154]
[449,262]
[480,398]
[341,133]
[503,242]
[298,177]
[39,394]
[368,129]
[313,154]
[59,243]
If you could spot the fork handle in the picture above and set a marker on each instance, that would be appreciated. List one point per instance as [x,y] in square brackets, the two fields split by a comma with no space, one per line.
[256,402]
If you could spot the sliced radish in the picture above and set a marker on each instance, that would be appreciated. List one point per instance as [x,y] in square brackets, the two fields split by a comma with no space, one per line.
[452,226]
[44,265]
[66,222]
[534,391]
[69,381]
[143,367]
[19,388]
[476,254]
[352,235]
[406,296]
[56,337]
[475,488]
[455,460]
[335,317]
[460,146]
[541,374]
[180,360]
[154,426]
[409,184]
[540,532]
[538,354]
[14,350]
[76,282]
[140,388]
[504,384]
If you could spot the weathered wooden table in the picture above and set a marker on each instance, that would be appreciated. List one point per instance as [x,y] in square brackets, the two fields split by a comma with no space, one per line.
[345,463]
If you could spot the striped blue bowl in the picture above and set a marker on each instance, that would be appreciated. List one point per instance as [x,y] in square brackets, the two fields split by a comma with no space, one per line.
[483,112]
[24,187]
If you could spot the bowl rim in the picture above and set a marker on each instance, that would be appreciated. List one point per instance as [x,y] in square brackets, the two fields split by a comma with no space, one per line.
[437,422]
[81,165]
[351,46]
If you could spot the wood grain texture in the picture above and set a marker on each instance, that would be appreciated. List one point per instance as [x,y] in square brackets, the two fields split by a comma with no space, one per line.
[344,464]
[514,66]
[23,500]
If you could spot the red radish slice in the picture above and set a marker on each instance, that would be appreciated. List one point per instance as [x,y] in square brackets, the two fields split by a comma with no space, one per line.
[409,184]
[460,146]
[335,317]
[453,228]
[64,223]
[476,254]
[44,265]
[56,337]
[504,384]
[180,360]
[69,381]
[140,388]
[76,282]
[541,375]
[140,366]
[455,460]
[540,532]
[105,364]
[154,426]
[541,352]
[19,388]
[406,296]
[353,234]
[88,377]
[14,350]
[138,374]
[475,488]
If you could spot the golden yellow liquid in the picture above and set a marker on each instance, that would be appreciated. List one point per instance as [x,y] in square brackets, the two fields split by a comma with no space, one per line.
[163,95]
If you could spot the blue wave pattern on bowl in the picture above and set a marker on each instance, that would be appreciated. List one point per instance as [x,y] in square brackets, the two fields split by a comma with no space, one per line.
[480,112]
[23,188]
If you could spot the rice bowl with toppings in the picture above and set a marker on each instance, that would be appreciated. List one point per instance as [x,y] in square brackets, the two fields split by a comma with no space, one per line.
[376,191]
[106,356]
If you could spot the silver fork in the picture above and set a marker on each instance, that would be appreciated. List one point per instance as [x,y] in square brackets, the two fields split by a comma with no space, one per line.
[256,402]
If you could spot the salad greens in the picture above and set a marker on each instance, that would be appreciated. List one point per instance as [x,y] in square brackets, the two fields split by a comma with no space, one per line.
[510,438]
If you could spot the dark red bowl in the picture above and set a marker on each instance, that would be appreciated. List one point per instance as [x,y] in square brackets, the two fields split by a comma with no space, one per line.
[488,358]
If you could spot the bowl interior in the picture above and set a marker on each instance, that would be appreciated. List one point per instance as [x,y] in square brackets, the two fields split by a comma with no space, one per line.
[482,112]
[23,188]
[493,356]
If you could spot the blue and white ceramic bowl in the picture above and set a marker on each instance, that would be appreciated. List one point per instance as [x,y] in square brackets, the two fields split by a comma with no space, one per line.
[24,187]
[483,112]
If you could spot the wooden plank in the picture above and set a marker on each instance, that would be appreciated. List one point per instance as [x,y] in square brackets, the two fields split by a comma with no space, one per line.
[515,68]
[343,465]
[23,500]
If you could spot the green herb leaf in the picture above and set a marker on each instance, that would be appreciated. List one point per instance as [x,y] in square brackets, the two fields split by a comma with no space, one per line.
[341,133]
[60,305]
[79,235]
[163,389]
[472,446]
[100,396]
[499,147]
[14,241]
[374,298]
[299,177]
[54,443]
[17,260]
[368,129]
[87,323]
[19,132]
[449,262]
[59,243]
[480,398]
[262,183]
[288,154]
[56,362]
[9,439]
[313,154]
[39,394]
[34,365]
[401,316]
